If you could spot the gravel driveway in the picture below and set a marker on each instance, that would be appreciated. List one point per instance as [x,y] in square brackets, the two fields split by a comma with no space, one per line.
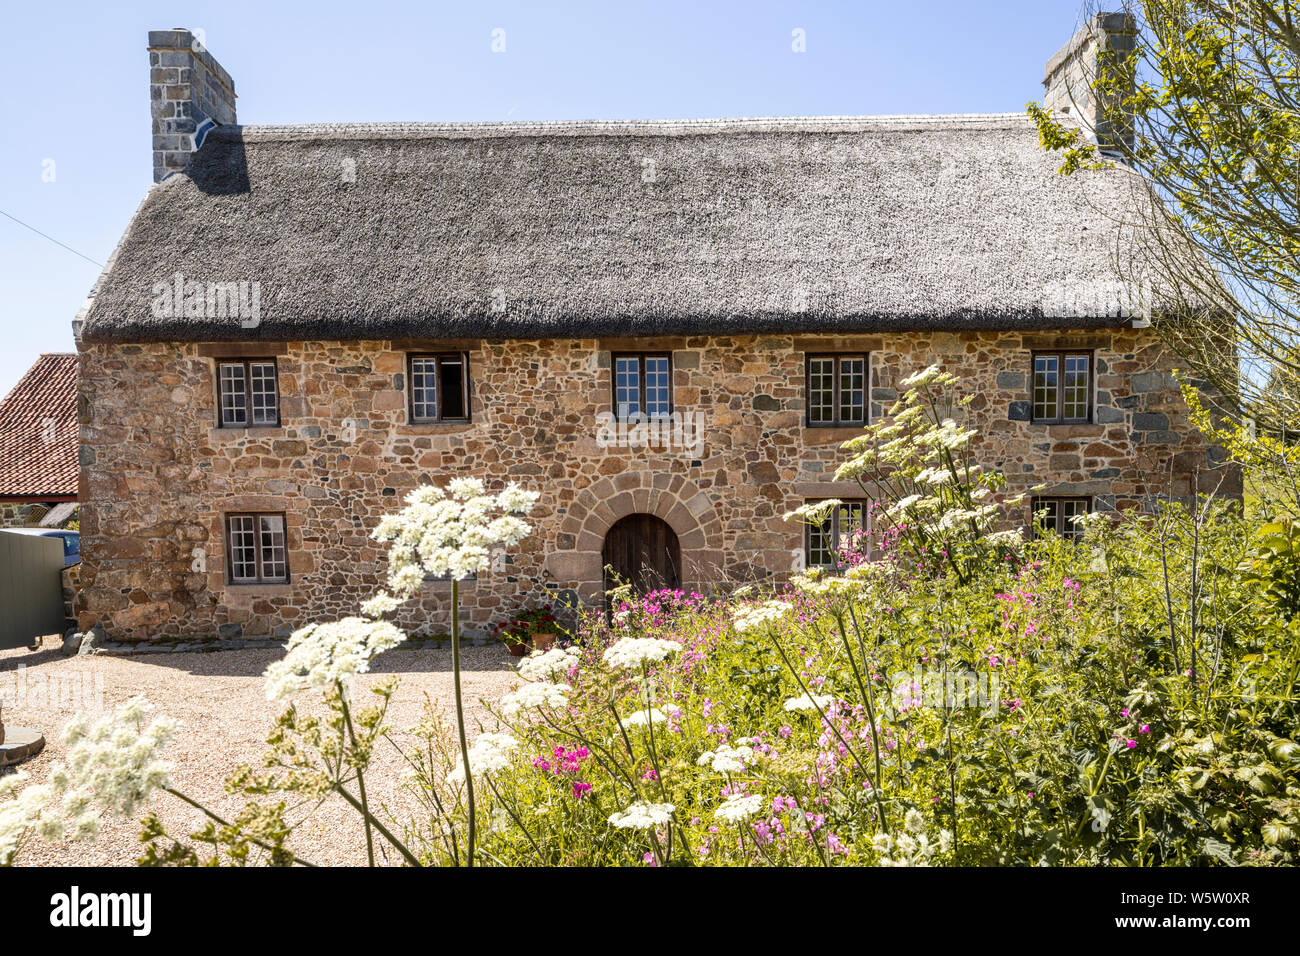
[225,716]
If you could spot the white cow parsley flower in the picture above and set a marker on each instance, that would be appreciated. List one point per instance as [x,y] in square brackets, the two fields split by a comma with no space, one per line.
[633,653]
[753,616]
[379,605]
[22,814]
[738,808]
[320,654]
[727,759]
[113,762]
[814,512]
[488,753]
[643,815]
[534,696]
[547,665]
[642,718]
[451,533]
[923,377]
[809,702]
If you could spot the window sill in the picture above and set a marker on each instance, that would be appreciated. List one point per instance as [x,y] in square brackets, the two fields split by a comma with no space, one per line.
[240,431]
[1087,428]
[433,428]
[259,590]
[828,434]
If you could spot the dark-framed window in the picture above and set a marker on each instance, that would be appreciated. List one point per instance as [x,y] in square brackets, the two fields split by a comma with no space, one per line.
[643,385]
[256,549]
[1058,513]
[439,387]
[838,389]
[248,393]
[822,543]
[1062,387]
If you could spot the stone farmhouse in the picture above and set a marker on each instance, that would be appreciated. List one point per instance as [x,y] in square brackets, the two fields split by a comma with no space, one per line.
[303,323]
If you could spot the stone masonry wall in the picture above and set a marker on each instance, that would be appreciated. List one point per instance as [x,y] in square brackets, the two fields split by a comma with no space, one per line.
[158,475]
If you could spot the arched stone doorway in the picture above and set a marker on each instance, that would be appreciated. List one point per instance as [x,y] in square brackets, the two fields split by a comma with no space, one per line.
[642,550]
[578,558]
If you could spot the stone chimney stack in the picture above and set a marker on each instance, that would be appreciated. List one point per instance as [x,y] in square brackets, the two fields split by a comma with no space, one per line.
[188,93]
[1068,82]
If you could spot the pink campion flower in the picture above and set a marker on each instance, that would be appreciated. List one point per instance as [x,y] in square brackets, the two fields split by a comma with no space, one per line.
[649,860]
[1132,744]
[675,721]
[580,789]
[1124,712]
[1145,729]
[650,775]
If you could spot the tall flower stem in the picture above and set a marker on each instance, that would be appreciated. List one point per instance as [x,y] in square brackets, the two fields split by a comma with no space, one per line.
[460,717]
[361,780]
[387,834]
[868,698]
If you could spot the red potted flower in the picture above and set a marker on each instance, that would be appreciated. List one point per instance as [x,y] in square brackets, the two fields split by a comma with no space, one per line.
[536,627]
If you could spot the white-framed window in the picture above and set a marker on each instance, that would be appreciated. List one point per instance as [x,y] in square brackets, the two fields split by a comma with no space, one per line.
[1058,514]
[248,393]
[643,385]
[439,387]
[1062,387]
[823,542]
[256,550]
[838,389]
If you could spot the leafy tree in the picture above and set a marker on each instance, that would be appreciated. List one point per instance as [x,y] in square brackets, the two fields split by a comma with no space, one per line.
[1211,93]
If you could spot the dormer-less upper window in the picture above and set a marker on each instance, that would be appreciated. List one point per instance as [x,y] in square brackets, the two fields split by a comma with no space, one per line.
[439,388]
[837,390]
[248,394]
[643,386]
[1062,387]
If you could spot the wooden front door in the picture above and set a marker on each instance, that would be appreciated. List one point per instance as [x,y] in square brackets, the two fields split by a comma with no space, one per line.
[643,550]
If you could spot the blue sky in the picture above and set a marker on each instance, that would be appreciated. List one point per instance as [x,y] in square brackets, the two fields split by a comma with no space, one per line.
[74,94]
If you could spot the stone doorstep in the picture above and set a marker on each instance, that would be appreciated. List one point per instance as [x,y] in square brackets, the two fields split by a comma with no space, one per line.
[21,743]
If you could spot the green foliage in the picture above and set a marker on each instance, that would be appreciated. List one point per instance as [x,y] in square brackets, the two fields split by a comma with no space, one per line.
[1140,709]
[1053,136]
[1274,566]
[1209,93]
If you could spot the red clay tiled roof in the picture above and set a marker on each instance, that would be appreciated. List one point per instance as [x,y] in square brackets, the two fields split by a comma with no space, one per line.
[38,430]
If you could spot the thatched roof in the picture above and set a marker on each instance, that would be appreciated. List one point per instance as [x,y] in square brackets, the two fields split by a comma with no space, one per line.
[623,228]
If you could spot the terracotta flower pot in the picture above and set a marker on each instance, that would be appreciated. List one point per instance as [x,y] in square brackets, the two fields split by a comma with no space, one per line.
[542,640]
[517,650]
